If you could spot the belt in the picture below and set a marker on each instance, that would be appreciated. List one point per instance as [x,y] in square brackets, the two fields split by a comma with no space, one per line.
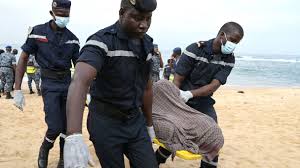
[113,111]
[55,74]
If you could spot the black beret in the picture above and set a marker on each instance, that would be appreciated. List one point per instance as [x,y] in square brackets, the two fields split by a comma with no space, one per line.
[144,5]
[61,4]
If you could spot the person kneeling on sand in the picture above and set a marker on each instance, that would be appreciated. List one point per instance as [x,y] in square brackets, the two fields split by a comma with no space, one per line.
[203,67]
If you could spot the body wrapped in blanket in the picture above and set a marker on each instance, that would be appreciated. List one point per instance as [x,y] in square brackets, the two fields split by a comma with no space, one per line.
[180,127]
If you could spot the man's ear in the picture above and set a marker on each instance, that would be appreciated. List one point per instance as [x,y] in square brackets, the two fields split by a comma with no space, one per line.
[51,13]
[121,12]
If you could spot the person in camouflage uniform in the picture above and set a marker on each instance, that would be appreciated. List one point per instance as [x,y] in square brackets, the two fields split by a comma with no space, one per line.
[7,67]
[33,74]
[2,90]
[157,63]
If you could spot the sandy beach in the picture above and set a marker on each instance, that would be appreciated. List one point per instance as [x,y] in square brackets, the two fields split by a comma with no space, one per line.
[261,128]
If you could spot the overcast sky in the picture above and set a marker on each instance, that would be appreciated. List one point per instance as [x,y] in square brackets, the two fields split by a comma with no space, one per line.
[271,26]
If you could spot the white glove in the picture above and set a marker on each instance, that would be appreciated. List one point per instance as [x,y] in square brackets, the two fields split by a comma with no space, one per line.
[88,99]
[151,133]
[19,99]
[76,152]
[186,95]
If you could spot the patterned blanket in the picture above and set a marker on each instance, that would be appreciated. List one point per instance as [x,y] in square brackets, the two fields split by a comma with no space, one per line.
[180,127]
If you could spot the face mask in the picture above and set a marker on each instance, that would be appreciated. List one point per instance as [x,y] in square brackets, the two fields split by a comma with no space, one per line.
[228,47]
[61,21]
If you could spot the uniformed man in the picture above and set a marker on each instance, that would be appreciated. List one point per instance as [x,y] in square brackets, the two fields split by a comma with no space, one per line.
[32,74]
[117,62]
[15,53]
[157,64]
[7,67]
[1,90]
[176,56]
[204,66]
[56,48]
[168,69]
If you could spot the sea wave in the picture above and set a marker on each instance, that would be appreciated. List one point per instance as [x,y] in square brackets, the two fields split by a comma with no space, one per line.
[251,58]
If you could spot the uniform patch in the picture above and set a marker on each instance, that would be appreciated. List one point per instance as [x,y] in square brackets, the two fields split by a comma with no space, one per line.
[44,40]
[30,29]
[200,43]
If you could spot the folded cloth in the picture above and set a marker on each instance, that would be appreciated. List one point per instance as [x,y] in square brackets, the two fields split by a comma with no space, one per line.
[180,127]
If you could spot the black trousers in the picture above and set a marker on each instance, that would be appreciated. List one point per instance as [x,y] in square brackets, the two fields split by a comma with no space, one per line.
[162,154]
[112,138]
[55,112]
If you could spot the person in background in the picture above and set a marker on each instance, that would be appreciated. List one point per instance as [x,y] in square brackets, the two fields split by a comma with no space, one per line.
[15,53]
[176,56]
[168,70]
[203,67]
[7,68]
[55,48]
[157,64]
[31,72]
[2,90]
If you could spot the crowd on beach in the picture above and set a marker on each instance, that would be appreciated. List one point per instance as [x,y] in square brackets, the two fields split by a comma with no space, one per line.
[8,69]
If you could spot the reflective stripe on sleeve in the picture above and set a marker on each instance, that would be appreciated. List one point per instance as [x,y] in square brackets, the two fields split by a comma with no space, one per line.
[97,44]
[194,56]
[223,63]
[73,42]
[34,36]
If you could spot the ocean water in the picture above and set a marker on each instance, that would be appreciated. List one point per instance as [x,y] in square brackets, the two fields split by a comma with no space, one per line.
[263,70]
[273,71]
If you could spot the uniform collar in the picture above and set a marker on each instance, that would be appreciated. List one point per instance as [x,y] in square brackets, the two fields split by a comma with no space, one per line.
[146,41]
[50,30]
[122,35]
[208,46]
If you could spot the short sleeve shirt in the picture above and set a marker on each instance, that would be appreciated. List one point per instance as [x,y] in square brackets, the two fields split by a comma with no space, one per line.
[123,68]
[200,66]
[54,50]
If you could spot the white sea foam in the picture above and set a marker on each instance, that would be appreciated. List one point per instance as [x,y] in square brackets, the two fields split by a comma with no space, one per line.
[250,58]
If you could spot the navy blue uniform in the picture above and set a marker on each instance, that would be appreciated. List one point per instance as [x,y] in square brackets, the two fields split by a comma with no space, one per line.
[54,51]
[200,66]
[123,68]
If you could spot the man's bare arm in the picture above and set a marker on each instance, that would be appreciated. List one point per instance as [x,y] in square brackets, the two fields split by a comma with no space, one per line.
[178,79]
[147,101]
[207,89]
[83,77]
[20,70]
[202,91]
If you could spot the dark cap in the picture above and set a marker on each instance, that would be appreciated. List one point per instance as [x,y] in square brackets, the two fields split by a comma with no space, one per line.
[8,46]
[177,50]
[61,4]
[155,45]
[144,5]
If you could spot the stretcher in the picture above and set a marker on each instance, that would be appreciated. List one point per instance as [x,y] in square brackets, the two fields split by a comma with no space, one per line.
[183,154]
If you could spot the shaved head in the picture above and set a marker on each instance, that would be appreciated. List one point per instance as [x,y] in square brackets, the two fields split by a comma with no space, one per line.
[231,28]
